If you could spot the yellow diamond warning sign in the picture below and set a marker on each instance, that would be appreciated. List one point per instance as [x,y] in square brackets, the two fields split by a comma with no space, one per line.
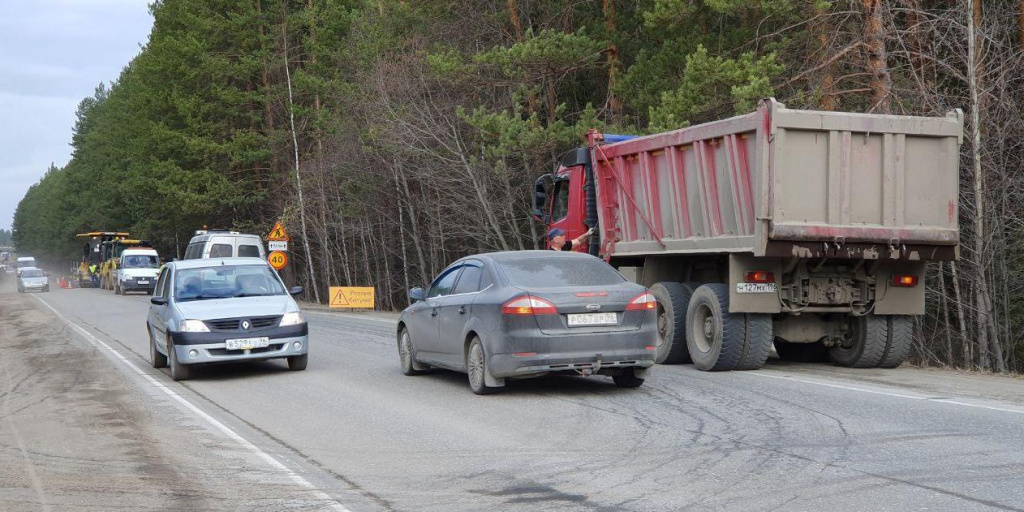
[278,234]
[357,297]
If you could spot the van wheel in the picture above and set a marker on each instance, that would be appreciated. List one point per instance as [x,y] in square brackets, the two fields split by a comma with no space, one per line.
[719,340]
[898,341]
[866,344]
[673,299]
[476,368]
[178,371]
[298,363]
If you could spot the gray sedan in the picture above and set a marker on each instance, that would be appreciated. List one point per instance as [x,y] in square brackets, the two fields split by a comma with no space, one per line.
[224,310]
[524,314]
[32,278]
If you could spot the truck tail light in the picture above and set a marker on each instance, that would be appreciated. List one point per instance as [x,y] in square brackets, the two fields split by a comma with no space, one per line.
[642,302]
[528,305]
[759,276]
[904,280]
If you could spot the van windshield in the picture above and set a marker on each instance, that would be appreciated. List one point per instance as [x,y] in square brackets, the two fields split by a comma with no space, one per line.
[141,261]
[226,282]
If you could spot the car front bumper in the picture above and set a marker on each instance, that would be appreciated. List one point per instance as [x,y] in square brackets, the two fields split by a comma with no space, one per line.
[210,347]
[542,354]
[129,286]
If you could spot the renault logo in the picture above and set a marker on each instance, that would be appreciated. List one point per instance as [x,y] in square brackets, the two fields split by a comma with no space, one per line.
[245,325]
[593,307]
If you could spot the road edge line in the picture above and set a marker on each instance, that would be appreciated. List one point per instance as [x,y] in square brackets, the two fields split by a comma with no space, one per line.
[887,393]
[226,430]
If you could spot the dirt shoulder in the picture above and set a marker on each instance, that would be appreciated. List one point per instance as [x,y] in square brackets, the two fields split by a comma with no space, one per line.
[78,432]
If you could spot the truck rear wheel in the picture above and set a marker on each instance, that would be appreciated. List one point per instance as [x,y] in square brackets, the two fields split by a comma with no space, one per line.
[898,341]
[673,300]
[866,344]
[719,340]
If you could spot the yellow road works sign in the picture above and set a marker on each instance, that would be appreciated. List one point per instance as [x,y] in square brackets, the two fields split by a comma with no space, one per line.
[278,234]
[278,259]
[352,297]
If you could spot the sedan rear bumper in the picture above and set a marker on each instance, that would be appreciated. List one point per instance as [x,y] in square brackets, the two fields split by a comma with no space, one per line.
[542,354]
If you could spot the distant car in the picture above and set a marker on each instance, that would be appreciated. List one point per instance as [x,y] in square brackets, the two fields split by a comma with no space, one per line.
[33,279]
[530,313]
[224,310]
[136,271]
[224,244]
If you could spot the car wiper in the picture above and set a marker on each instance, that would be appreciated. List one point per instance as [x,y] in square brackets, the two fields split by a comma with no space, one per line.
[253,294]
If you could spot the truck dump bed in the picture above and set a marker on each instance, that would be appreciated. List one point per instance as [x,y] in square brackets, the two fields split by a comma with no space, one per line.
[781,182]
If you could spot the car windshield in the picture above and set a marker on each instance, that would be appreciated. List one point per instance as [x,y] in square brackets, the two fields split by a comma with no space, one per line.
[33,273]
[555,272]
[141,261]
[225,282]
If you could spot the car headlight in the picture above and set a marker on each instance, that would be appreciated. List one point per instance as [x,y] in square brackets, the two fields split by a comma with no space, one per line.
[293,318]
[193,326]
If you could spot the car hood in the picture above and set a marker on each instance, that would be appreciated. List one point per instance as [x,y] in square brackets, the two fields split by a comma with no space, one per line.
[236,308]
[140,272]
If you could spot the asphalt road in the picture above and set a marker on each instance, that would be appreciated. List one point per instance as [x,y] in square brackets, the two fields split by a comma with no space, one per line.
[352,432]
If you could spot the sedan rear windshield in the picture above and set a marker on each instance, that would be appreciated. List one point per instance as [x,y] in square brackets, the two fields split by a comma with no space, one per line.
[558,272]
[225,282]
[33,273]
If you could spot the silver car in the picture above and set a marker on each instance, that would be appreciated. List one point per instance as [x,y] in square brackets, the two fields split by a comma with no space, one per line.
[224,310]
[32,278]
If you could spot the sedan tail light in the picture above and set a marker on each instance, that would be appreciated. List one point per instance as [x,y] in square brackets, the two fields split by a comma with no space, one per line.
[528,305]
[642,302]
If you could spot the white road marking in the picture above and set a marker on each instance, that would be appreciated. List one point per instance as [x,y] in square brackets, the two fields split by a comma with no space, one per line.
[292,475]
[922,398]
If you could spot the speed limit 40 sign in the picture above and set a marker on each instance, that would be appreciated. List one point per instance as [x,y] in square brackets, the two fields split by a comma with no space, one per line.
[278,259]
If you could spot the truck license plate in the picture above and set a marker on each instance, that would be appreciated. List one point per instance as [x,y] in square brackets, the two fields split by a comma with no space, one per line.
[585,319]
[755,288]
[247,343]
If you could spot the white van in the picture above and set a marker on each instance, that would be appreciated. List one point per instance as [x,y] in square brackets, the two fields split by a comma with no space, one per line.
[224,244]
[136,271]
[25,262]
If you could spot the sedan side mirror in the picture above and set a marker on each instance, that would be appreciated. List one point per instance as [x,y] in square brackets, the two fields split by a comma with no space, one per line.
[296,290]
[158,301]
[416,294]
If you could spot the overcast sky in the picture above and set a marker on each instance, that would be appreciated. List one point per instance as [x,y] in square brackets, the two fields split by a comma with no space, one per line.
[53,53]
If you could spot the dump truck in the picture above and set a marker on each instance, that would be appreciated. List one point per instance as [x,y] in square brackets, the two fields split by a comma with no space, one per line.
[805,230]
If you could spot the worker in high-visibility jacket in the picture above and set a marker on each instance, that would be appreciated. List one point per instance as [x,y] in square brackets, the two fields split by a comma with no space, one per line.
[94,275]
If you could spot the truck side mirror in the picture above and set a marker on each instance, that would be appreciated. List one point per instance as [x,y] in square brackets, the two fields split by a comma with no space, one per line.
[540,198]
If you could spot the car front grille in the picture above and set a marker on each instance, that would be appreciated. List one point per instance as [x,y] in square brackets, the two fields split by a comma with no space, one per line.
[234,324]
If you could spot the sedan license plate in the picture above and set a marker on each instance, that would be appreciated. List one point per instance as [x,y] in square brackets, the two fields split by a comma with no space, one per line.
[143,282]
[585,319]
[247,343]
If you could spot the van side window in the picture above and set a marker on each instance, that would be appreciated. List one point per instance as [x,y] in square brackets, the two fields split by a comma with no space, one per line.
[220,251]
[248,251]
